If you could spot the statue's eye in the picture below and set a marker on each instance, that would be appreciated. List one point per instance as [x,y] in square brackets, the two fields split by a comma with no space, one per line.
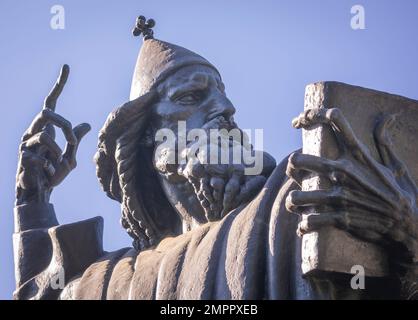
[189,98]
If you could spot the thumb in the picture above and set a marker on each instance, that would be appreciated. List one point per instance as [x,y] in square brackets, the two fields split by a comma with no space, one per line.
[81,130]
[70,151]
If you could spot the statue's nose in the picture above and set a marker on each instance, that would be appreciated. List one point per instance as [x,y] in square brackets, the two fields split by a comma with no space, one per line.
[222,106]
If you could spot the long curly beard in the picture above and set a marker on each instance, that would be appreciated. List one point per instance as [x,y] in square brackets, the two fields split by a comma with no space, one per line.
[214,167]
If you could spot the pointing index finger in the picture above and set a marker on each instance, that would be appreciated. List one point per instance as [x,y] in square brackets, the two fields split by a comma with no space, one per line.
[51,100]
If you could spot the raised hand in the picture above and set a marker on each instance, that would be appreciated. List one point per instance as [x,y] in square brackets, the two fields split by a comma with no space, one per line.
[42,164]
[374,201]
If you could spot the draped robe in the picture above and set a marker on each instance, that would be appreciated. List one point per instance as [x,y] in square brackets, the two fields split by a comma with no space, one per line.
[252,253]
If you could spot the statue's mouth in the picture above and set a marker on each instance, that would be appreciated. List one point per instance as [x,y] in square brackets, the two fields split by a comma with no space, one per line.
[225,122]
[220,121]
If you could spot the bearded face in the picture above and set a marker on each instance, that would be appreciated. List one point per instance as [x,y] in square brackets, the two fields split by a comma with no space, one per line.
[201,190]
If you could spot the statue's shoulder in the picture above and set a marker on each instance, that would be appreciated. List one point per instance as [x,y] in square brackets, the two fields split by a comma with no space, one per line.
[95,282]
[127,273]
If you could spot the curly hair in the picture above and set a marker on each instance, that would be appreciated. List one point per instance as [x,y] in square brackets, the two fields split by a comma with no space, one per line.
[132,220]
[127,174]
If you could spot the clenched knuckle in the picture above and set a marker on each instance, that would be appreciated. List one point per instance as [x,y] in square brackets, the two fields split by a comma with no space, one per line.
[334,114]
[44,113]
[293,160]
[66,123]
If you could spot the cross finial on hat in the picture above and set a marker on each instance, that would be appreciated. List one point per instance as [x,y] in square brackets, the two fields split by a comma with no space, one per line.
[144,27]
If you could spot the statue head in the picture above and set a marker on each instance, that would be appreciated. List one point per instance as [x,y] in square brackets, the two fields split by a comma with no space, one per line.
[171,85]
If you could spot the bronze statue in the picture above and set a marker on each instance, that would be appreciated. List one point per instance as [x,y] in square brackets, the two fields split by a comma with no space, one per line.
[204,231]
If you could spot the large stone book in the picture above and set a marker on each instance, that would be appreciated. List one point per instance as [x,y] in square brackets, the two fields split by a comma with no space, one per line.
[331,249]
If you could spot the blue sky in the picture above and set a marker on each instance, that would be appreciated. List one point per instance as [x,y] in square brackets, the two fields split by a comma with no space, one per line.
[266,51]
